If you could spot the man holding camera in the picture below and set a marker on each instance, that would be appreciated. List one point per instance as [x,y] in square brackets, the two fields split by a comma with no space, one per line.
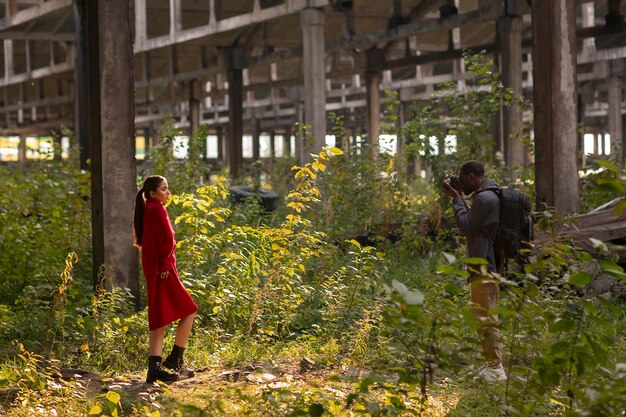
[479,223]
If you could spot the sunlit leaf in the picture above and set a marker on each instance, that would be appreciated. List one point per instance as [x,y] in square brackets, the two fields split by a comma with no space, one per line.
[96,409]
[580,278]
[612,268]
[599,351]
[355,243]
[619,208]
[562,326]
[449,257]
[560,348]
[606,164]
[613,185]
[470,319]
[475,261]
[113,396]
[598,244]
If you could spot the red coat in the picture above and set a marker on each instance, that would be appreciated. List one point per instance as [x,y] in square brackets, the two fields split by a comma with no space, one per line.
[168,300]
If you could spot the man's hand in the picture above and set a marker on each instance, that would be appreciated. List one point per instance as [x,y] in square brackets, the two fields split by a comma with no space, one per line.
[449,190]
[163,275]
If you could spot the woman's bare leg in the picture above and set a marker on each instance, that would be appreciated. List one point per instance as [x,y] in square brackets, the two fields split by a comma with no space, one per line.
[183,330]
[156,341]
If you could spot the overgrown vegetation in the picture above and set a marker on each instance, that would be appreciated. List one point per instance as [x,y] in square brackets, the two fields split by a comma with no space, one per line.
[352,294]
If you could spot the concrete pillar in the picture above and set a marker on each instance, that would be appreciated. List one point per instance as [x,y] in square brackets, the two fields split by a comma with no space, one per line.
[375,57]
[94,133]
[554,75]
[287,142]
[235,116]
[116,175]
[21,152]
[221,145]
[147,139]
[57,146]
[272,145]
[301,155]
[256,139]
[313,66]
[614,17]
[510,31]
[624,139]
[81,116]
[615,118]
[154,135]
[582,158]
[194,106]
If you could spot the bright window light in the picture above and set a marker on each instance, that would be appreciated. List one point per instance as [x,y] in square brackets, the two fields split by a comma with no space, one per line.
[607,144]
[279,145]
[140,147]
[265,146]
[450,143]
[181,146]
[388,144]
[588,139]
[246,146]
[433,141]
[212,147]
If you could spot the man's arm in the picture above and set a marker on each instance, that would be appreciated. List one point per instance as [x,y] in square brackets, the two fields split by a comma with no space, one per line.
[469,220]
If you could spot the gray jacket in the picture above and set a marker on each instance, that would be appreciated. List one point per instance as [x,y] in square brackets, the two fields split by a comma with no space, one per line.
[479,223]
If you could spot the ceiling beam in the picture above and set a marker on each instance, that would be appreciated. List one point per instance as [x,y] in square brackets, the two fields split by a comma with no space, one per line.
[38,36]
[34,12]
[365,40]
[143,44]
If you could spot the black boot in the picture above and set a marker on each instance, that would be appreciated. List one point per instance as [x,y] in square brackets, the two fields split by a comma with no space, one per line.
[157,373]
[175,362]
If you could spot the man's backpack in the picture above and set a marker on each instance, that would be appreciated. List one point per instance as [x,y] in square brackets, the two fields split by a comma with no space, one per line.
[515,234]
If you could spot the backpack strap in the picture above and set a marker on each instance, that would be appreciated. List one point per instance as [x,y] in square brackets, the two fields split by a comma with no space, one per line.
[496,189]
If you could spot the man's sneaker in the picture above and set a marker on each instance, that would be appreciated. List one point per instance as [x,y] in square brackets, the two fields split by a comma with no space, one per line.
[491,374]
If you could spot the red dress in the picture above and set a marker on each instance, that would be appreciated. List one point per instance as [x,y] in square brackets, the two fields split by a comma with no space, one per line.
[168,300]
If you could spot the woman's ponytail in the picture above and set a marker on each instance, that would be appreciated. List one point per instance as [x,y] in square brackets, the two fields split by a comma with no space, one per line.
[140,205]
[150,184]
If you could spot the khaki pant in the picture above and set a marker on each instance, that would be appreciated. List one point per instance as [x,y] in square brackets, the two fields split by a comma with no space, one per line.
[484,295]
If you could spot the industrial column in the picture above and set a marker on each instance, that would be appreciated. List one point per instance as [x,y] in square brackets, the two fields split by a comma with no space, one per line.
[235,114]
[194,106]
[615,118]
[554,95]
[510,31]
[81,90]
[375,58]
[256,138]
[313,65]
[109,27]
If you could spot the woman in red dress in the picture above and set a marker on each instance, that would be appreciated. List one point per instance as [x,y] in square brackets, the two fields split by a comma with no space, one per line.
[168,300]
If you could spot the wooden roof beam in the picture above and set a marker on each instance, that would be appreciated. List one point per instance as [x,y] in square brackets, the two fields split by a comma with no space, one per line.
[384,35]
[34,12]
[39,73]
[142,43]
[38,36]
[66,99]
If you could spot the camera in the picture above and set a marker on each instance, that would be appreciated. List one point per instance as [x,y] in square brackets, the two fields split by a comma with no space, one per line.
[455,182]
